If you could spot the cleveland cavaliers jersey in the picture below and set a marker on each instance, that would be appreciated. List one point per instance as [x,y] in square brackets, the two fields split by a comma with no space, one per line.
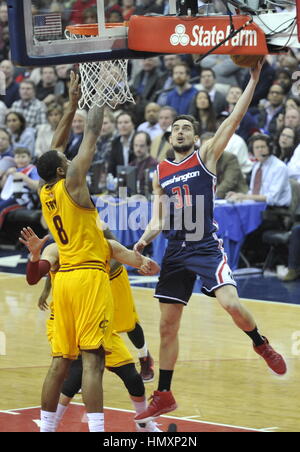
[190,187]
[76,230]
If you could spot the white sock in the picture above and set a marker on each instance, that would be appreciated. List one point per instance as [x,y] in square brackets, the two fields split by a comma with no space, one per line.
[143,352]
[96,422]
[139,406]
[47,421]
[61,409]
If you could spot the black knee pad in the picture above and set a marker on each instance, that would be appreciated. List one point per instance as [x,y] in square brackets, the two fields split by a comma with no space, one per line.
[131,379]
[72,383]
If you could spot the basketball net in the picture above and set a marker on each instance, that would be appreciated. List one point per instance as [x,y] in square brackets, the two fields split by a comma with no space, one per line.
[102,82]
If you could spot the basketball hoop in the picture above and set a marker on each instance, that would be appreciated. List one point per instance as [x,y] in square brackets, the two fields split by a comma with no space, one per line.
[102,82]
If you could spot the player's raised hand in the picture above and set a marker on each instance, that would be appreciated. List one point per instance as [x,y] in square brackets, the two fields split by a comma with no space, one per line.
[74,88]
[255,71]
[33,242]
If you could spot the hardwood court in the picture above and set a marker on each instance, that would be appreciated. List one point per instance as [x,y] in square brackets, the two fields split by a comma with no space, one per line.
[218,379]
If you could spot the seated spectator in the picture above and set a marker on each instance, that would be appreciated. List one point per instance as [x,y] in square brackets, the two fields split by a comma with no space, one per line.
[248,124]
[146,80]
[226,71]
[284,79]
[76,135]
[78,8]
[45,132]
[90,15]
[203,111]
[166,79]
[270,184]
[208,84]
[292,119]
[294,165]
[11,86]
[3,111]
[121,149]
[6,153]
[181,97]
[114,15]
[33,110]
[286,144]
[237,146]
[45,89]
[294,256]
[269,179]
[128,8]
[293,103]
[229,174]
[143,161]
[160,146]
[98,171]
[151,126]
[21,181]
[272,108]
[150,6]
[22,136]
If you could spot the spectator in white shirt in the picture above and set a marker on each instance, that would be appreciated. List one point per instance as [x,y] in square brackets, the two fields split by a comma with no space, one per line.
[274,187]
[294,165]
[151,125]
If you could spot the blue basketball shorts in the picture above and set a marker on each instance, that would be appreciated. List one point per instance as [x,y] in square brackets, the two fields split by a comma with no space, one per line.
[183,261]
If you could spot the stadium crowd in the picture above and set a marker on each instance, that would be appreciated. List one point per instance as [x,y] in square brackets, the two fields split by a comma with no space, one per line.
[137,134]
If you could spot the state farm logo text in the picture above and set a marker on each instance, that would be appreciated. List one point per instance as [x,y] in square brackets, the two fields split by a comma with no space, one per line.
[209,38]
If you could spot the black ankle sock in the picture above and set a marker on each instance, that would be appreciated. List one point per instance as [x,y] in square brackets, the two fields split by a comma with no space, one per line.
[165,378]
[256,337]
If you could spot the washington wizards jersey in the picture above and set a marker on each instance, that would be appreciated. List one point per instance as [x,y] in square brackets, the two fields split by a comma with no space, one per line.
[190,188]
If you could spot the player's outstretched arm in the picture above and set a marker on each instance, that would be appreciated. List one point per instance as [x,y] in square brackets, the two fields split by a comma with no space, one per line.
[218,143]
[128,257]
[62,132]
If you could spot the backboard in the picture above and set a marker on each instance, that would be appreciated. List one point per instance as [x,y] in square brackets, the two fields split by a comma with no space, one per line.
[37,36]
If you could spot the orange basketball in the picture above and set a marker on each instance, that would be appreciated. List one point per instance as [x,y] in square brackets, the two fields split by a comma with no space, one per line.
[246,60]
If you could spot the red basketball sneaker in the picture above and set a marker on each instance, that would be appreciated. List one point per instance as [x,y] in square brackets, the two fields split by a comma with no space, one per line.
[274,360]
[147,368]
[162,402]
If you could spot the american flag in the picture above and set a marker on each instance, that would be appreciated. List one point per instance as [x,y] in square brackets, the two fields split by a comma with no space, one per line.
[47,26]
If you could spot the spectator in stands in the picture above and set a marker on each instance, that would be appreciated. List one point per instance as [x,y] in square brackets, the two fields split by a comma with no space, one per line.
[22,136]
[284,79]
[229,174]
[45,89]
[143,161]
[76,135]
[203,111]
[63,79]
[3,112]
[151,126]
[114,15]
[121,151]
[150,6]
[208,83]
[11,86]
[237,147]
[146,81]
[262,88]
[33,110]
[225,70]
[294,165]
[181,97]
[294,256]
[160,146]
[99,167]
[268,114]
[6,153]
[292,102]
[21,180]
[90,15]
[269,179]
[166,79]
[286,143]
[292,119]
[248,124]
[78,8]
[45,131]
[128,8]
